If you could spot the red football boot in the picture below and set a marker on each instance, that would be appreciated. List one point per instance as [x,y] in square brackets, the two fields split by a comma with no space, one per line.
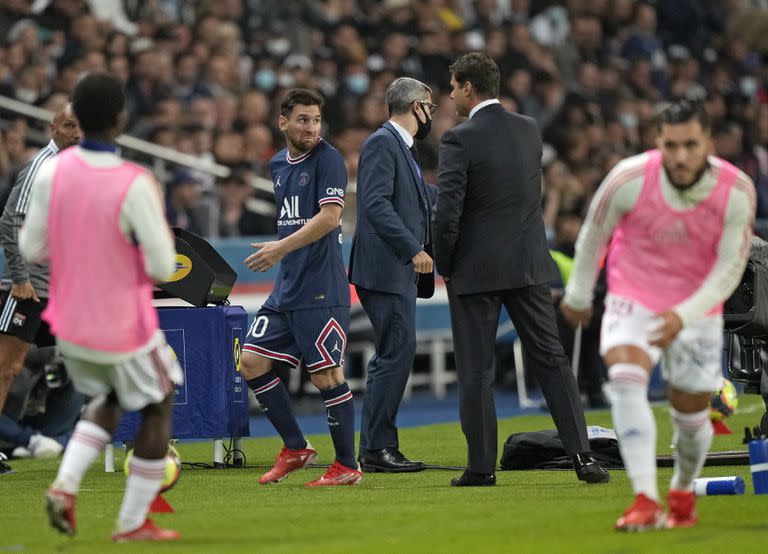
[642,515]
[682,509]
[61,510]
[148,531]
[287,462]
[336,475]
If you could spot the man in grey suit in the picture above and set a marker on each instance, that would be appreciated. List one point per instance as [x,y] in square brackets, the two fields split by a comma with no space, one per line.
[390,264]
[490,248]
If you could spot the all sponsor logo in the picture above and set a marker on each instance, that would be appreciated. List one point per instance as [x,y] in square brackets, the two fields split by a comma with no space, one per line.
[290,208]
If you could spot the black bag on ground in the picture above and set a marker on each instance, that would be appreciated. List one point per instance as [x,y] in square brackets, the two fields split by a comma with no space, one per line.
[545,450]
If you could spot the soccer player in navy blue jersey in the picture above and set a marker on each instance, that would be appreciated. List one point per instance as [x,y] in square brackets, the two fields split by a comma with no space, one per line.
[306,318]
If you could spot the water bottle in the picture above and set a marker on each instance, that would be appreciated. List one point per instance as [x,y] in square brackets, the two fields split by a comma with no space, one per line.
[709,486]
[758,464]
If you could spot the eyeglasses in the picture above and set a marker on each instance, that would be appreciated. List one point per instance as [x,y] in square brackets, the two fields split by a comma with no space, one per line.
[432,108]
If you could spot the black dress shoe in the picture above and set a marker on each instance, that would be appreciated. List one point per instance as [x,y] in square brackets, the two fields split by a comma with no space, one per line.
[587,469]
[388,460]
[474,479]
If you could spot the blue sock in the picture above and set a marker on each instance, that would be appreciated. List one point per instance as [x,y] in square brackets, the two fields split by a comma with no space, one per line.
[341,422]
[273,396]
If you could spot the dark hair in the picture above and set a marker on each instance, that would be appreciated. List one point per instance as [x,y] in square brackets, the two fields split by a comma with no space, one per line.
[300,96]
[97,101]
[683,111]
[480,70]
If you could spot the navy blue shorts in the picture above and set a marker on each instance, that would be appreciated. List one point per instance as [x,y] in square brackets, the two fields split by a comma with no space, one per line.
[316,337]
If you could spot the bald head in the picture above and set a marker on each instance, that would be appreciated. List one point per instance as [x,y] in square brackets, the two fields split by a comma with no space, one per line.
[65,130]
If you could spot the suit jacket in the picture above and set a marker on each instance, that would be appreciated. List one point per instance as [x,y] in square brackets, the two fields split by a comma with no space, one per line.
[487,227]
[393,209]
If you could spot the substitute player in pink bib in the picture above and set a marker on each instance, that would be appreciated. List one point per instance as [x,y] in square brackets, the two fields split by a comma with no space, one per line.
[676,223]
[99,221]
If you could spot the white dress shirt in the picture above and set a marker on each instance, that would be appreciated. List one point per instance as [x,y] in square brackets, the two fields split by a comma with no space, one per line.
[482,105]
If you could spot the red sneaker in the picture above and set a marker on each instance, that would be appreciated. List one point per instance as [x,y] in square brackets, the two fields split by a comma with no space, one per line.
[287,462]
[336,475]
[148,531]
[682,509]
[61,510]
[642,515]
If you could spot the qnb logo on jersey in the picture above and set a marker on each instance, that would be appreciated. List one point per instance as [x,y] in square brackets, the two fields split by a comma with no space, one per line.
[290,209]
[183,267]
[335,191]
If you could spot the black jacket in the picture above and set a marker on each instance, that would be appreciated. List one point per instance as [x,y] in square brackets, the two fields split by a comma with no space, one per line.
[488,231]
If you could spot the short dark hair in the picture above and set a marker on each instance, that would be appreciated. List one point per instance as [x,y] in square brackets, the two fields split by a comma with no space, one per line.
[97,101]
[479,69]
[683,111]
[300,96]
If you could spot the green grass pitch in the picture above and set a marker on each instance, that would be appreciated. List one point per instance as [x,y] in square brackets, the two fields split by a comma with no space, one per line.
[528,511]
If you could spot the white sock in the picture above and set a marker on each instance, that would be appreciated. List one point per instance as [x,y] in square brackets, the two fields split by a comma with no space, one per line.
[693,437]
[635,426]
[83,448]
[141,488]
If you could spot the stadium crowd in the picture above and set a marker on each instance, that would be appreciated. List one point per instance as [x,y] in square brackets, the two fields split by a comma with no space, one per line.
[206,78]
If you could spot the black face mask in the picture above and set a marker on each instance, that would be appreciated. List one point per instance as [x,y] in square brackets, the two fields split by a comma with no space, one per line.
[424,128]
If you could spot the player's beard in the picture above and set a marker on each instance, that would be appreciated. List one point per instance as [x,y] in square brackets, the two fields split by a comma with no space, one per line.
[303,147]
[686,185]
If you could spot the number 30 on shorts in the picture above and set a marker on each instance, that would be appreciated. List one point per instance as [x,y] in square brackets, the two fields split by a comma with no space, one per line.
[259,327]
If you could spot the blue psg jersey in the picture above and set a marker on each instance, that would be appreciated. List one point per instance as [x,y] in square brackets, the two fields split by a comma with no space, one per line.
[312,276]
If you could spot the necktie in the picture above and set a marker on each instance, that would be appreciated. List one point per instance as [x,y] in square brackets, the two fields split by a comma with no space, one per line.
[422,186]
[414,153]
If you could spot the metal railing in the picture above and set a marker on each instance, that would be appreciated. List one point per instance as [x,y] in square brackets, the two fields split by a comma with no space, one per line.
[160,154]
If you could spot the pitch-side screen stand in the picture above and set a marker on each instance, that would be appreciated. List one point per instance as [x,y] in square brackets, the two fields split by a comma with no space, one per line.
[218,453]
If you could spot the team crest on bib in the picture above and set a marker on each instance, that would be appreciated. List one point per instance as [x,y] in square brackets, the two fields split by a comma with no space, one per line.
[303,179]
[18,319]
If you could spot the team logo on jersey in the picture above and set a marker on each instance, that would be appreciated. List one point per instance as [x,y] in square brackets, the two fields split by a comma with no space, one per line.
[303,179]
[183,267]
[18,319]
[290,207]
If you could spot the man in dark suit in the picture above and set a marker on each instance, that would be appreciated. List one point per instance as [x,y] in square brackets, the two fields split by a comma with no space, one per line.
[389,264]
[491,249]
